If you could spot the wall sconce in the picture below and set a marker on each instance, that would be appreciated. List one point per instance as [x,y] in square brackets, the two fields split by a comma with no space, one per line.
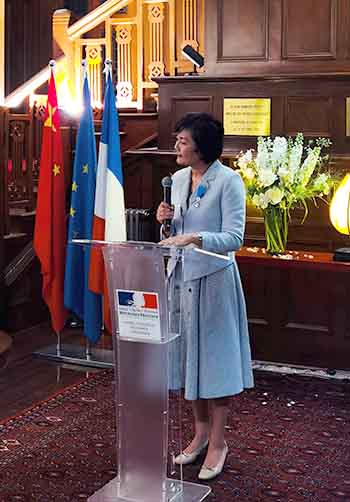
[195,57]
[339,213]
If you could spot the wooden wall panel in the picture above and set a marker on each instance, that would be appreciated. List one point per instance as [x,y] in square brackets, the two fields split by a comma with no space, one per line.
[315,105]
[233,17]
[309,114]
[317,316]
[28,38]
[305,310]
[277,36]
[177,106]
[181,105]
[309,29]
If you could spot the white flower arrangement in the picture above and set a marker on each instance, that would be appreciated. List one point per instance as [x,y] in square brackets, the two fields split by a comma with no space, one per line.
[285,173]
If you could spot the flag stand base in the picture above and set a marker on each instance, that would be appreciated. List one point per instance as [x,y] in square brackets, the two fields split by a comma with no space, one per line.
[73,354]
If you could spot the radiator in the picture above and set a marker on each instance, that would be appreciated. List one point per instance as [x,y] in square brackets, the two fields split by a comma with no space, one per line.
[139,224]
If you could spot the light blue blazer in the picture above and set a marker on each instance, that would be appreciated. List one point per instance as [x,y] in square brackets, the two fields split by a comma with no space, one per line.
[218,216]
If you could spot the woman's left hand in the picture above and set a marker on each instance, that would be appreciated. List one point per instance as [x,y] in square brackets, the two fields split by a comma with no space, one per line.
[180,240]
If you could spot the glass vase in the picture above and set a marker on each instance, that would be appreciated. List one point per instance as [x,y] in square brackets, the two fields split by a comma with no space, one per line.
[276,229]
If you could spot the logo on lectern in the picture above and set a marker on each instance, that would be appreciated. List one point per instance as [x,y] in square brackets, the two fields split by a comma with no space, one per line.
[138,299]
[138,315]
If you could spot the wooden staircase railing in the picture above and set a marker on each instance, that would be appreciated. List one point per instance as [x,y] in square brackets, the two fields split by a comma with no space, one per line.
[142,38]
[18,265]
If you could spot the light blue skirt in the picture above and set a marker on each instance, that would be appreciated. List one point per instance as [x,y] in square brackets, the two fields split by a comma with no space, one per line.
[212,356]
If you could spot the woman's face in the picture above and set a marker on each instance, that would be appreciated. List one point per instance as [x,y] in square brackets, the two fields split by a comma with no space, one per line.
[185,148]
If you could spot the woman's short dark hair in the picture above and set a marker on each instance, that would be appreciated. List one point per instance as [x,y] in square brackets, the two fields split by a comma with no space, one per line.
[207,134]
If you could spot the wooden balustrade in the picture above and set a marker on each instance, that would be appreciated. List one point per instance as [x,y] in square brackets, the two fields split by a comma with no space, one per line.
[144,40]
[19,160]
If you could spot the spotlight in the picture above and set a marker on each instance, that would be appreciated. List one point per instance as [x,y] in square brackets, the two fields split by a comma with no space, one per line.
[192,55]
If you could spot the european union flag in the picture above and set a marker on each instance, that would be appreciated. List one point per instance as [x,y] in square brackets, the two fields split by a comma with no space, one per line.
[77,297]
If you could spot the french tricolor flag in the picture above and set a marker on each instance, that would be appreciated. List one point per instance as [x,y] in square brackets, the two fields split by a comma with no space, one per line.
[109,213]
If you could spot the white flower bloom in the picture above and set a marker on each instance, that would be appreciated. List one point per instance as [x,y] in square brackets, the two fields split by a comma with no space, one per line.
[279,150]
[245,159]
[278,177]
[249,173]
[260,201]
[274,195]
[286,175]
[262,158]
[248,155]
[267,177]
[295,157]
[308,166]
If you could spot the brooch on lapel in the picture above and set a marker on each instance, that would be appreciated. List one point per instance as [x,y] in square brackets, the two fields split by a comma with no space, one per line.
[201,189]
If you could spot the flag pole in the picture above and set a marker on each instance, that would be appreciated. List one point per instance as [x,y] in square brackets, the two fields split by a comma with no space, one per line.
[87,349]
[58,373]
[86,304]
[58,345]
[52,66]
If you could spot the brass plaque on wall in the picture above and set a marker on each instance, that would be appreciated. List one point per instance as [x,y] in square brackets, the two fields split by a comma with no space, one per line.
[247,116]
[347,116]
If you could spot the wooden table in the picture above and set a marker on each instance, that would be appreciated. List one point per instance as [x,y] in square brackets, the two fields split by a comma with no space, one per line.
[298,307]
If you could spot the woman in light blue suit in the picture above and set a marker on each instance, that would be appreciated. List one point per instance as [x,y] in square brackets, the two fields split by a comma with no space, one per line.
[208,210]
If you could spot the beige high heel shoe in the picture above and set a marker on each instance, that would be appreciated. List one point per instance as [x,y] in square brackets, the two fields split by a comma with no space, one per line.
[207,473]
[188,458]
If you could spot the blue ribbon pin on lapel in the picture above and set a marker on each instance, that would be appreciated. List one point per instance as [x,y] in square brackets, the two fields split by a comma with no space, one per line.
[199,194]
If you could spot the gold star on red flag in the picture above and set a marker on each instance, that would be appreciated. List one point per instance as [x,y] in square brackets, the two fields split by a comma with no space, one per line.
[49,121]
[50,221]
[56,170]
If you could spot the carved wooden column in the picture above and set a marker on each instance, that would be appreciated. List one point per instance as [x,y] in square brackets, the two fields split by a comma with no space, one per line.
[94,59]
[190,26]
[125,85]
[156,43]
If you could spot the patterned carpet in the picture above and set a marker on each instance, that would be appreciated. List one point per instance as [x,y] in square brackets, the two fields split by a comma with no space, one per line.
[289,440]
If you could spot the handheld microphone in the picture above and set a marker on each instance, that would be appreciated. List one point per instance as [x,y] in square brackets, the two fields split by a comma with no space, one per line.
[166,184]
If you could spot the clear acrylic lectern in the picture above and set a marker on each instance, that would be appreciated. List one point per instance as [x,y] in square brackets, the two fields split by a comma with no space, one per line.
[145,321]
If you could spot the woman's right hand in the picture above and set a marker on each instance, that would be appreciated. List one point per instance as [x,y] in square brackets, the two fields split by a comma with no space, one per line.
[164,212]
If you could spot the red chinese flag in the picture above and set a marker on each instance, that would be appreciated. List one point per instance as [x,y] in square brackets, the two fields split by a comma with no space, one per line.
[50,225]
